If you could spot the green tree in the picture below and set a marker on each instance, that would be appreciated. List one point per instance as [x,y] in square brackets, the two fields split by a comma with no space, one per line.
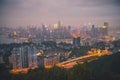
[57,73]
[80,72]
[4,72]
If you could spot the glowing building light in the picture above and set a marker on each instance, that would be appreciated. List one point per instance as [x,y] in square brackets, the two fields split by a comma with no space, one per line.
[113,39]
[104,27]
[14,33]
[55,26]
[51,31]
[39,54]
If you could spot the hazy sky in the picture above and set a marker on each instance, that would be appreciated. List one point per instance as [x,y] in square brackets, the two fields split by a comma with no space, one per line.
[70,12]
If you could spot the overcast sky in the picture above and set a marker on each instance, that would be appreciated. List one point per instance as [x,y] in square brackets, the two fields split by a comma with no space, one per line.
[70,12]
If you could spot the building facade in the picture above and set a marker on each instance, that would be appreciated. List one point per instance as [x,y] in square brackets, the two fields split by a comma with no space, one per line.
[24,57]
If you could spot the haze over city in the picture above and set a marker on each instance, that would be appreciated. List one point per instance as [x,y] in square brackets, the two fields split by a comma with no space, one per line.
[59,39]
[14,13]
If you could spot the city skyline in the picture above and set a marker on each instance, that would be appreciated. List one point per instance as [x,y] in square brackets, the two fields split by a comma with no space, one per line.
[71,12]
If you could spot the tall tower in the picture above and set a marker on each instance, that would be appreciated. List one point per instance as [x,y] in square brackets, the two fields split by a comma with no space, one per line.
[76,41]
[59,30]
[93,31]
[24,57]
[106,25]
[32,58]
[59,24]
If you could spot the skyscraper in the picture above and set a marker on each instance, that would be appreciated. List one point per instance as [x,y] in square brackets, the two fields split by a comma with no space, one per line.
[24,57]
[76,41]
[16,58]
[104,29]
[94,31]
[106,24]
[32,58]
[48,60]
[59,24]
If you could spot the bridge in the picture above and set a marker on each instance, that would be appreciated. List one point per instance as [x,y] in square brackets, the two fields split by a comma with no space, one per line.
[82,59]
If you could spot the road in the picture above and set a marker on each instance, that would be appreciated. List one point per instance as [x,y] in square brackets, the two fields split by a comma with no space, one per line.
[72,62]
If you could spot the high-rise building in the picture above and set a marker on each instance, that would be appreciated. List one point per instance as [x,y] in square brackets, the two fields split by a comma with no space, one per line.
[106,24]
[16,58]
[69,28]
[59,24]
[48,60]
[76,41]
[86,42]
[24,56]
[84,29]
[1,59]
[104,29]
[94,31]
[32,58]
[51,60]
